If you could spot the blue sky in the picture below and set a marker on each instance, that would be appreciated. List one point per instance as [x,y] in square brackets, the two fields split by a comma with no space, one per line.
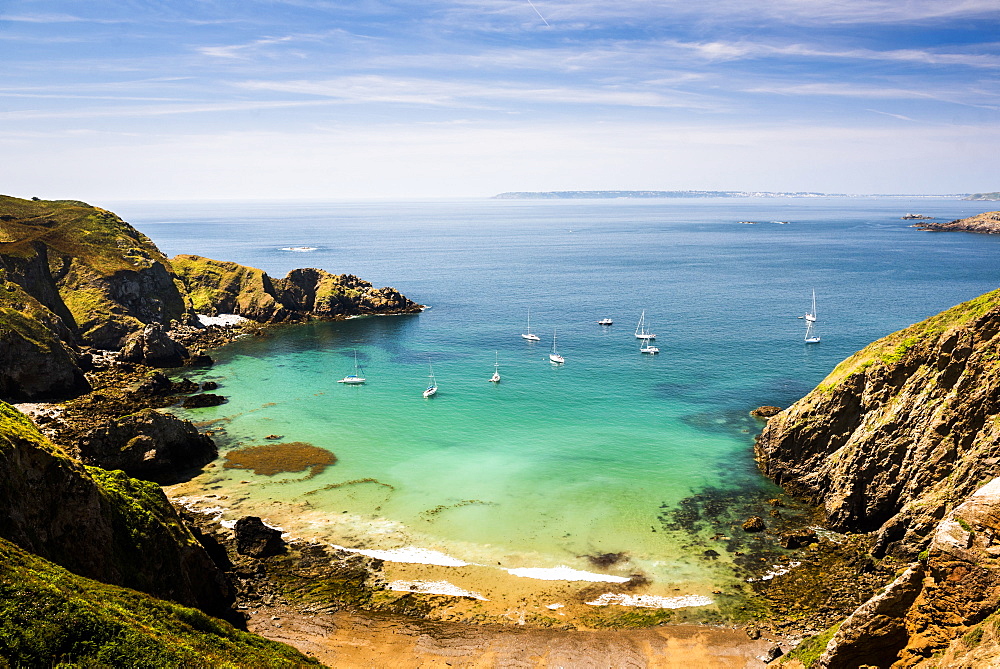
[392,99]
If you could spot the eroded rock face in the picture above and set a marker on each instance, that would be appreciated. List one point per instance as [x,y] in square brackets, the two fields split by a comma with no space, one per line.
[899,431]
[99,524]
[926,616]
[153,347]
[148,445]
[226,287]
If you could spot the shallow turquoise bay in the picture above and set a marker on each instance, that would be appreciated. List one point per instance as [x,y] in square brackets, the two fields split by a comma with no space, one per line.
[555,462]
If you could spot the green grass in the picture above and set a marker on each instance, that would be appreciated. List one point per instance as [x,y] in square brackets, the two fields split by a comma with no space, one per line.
[810,649]
[894,347]
[49,616]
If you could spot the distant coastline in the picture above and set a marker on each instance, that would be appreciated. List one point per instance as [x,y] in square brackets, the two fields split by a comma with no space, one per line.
[650,194]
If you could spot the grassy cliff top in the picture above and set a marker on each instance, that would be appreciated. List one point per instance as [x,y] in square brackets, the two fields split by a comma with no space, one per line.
[51,616]
[891,349]
[96,237]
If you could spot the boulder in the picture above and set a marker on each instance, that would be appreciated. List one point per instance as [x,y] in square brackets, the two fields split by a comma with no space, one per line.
[766,411]
[256,539]
[152,346]
[149,445]
[754,524]
[798,539]
[203,400]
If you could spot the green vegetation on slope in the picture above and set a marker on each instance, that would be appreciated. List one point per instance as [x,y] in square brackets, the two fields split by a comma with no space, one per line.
[893,348]
[50,616]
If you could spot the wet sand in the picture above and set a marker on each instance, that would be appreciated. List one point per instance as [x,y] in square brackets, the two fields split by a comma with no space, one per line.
[353,639]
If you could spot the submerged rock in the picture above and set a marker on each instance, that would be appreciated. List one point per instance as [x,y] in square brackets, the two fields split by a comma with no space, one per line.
[766,411]
[203,400]
[754,524]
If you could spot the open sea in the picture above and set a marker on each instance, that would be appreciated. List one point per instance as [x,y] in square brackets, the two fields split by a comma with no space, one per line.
[556,462]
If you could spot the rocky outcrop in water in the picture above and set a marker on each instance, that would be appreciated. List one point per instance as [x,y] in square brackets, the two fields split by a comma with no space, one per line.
[73,276]
[900,432]
[988,223]
[225,287]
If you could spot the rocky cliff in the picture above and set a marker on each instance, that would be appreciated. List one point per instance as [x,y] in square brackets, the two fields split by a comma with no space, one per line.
[225,287]
[899,433]
[988,223]
[99,524]
[942,611]
[74,277]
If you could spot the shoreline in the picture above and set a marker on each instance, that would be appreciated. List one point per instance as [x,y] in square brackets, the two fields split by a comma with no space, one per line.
[517,604]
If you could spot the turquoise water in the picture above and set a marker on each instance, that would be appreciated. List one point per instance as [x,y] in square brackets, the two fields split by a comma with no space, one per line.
[555,462]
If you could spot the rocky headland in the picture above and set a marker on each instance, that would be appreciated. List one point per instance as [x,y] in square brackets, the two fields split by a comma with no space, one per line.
[901,442]
[987,223]
[98,567]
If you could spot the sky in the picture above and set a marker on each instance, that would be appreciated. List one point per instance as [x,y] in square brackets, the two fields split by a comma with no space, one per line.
[323,99]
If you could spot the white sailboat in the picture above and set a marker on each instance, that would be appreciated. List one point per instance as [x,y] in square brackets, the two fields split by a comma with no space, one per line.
[527,335]
[432,387]
[496,369]
[554,356]
[641,331]
[649,347]
[355,378]
[810,317]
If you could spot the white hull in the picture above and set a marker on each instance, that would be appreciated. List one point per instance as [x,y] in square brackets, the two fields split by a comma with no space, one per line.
[531,337]
[555,357]
[646,335]
[352,380]
[430,392]
[652,350]
[812,340]
[495,378]
[605,321]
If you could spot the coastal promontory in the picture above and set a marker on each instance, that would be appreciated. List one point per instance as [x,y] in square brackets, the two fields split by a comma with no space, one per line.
[988,222]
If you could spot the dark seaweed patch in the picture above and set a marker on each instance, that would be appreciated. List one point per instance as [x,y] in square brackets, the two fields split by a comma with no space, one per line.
[271,459]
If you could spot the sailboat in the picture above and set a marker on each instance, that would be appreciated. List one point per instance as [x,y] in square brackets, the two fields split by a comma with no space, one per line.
[432,387]
[554,356]
[647,346]
[641,331]
[496,369]
[811,336]
[527,335]
[355,378]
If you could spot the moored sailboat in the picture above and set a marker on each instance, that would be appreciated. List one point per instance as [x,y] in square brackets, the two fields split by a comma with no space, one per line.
[432,387]
[355,378]
[641,330]
[528,335]
[554,356]
[496,369]
[810,317]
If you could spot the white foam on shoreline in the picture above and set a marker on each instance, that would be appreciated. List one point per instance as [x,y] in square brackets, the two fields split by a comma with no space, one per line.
[410,555]
[776,571]
[221,319]
[434,588]
[565,574]
[651,601]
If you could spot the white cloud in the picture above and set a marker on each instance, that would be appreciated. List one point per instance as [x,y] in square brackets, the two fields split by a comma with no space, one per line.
[383,89]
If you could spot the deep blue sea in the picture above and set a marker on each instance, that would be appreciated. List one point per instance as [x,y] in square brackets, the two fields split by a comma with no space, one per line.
[555,462]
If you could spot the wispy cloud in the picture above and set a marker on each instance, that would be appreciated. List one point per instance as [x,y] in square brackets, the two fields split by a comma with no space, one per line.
[901,117]
[383,89]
